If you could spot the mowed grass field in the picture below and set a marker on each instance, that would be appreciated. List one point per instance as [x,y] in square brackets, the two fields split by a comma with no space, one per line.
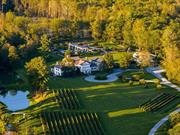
[117,103]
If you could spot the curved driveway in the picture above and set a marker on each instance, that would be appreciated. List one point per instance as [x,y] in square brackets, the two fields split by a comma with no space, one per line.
[110,78]
[156,71]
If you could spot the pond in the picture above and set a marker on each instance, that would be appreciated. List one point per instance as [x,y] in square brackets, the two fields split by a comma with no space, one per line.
[15,100]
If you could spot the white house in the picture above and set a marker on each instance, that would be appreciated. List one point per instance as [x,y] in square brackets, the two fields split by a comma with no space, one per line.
[76,48]
[57,70]
[84,66]
[96,64]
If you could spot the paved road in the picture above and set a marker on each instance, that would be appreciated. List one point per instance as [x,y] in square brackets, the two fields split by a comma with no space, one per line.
[110,78]
[156,71]
[161,122]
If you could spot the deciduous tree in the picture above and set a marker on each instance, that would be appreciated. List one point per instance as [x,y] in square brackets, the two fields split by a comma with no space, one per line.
[37,72]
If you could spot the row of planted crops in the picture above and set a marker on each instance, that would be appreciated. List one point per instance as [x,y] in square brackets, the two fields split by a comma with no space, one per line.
[66,119]
[71,123]
[159,102]
[66,98]
[69,119]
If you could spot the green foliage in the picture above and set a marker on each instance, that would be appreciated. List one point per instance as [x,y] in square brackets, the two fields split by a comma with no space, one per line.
[170,42]
[101,77]
[148,25]
[131,82]
[136,77]
[3,119]
[142,82]
[67,62]
[108,61]
[157,81]
[124,59]
[114,30]
[3,109]
[37,72]
[159,86]
[174,118]
[98,27]
[45,45]
[175,130]
[124,78]
[172,126]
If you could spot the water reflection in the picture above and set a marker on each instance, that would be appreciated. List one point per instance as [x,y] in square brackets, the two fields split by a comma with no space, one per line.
[15,100]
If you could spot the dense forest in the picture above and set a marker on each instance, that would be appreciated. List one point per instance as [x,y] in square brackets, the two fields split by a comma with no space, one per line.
[152,25]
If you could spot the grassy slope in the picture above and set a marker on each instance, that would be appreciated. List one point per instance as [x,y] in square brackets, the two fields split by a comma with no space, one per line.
[117,103]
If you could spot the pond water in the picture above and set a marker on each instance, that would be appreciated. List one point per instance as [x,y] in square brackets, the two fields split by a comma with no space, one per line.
[15,100]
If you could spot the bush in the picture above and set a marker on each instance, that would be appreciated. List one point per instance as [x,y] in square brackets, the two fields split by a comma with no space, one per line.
[120,76]
[130,82]
[175,130]
[101,77]
[146,86]
[159,86]
[142,82]
[157,81]
[174,123]
[124,78]
[174,118]
[136,77]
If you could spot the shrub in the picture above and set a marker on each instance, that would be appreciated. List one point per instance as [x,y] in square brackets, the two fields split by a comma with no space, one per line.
[146,86]
[124,78]
[175,130]
[120,76]
[136,77]
[174,123]
[159,86]
[101,77]
[130,82]
[157,81]
[174,118]
[142,82]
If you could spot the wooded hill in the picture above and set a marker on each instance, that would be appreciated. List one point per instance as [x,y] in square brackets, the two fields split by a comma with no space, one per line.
[153,25]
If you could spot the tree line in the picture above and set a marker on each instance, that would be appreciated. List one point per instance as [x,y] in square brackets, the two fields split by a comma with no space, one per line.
[151,25]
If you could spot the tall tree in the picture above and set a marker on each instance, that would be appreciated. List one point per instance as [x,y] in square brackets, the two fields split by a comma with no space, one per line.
[98,27]
[45,45]
[113,31]
[37,71]
[108,61]
[170,41]
[13,56]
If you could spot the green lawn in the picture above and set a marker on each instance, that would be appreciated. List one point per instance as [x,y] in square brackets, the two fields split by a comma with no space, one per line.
[117,104]
[142,74]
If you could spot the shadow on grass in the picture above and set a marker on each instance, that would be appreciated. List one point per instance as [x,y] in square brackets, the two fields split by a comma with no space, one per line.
[49,102]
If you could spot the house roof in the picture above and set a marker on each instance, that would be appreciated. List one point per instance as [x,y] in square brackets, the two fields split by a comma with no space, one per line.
[97,60]
[80,46]
[58,66]
[75,58]
[11,133]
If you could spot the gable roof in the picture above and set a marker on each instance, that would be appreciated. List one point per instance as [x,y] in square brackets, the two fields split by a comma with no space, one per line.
[58,66]
[97,60]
